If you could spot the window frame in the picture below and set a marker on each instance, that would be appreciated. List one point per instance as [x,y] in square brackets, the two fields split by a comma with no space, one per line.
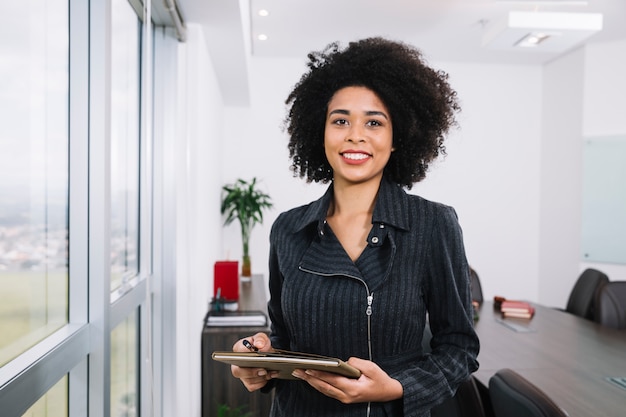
[82,347]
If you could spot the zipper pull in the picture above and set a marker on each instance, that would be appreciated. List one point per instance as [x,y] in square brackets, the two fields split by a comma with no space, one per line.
[370,298]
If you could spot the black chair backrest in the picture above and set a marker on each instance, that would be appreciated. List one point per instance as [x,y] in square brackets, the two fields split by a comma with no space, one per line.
[512,395]
[467,402]
[611,305]
[477,289]
[582,298]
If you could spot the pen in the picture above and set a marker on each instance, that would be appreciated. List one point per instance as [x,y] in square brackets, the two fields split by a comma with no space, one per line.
[250,345]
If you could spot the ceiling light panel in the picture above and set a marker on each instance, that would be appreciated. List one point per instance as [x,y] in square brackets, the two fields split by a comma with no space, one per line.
[564,30]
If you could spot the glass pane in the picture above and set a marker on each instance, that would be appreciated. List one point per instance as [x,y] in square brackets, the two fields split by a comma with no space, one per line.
[124,143]
[33,173]
[51,404]
[604,200]
[124,370]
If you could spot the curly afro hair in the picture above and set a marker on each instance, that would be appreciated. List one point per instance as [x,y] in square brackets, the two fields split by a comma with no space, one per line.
[421,103]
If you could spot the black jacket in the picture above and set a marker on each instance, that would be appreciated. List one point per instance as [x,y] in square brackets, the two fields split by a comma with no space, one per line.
[413,269]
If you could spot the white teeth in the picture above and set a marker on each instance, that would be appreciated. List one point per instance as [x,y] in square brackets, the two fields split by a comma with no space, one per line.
[355,156]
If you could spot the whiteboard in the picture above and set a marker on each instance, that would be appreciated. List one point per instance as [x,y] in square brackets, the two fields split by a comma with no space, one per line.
[604,200]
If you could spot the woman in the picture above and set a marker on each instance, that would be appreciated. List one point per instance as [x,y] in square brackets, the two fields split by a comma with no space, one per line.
[358,273]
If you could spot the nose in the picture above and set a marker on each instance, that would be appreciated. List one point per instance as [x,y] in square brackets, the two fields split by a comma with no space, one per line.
[355,134]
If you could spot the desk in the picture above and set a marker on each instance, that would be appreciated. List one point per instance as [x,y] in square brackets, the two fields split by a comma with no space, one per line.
[218,384]
[566,356]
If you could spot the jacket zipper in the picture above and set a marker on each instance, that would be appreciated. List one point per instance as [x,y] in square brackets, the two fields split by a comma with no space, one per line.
[368,312]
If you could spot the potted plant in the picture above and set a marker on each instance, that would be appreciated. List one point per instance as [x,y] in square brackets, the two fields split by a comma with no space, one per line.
[245,202]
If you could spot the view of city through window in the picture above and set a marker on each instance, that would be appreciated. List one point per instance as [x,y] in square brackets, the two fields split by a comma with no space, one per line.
[33,176]
[35,183]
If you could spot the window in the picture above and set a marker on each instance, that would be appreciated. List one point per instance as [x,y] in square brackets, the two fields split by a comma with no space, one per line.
[52,404]
[33,174]
[124,368]
[125,51]
[72,298]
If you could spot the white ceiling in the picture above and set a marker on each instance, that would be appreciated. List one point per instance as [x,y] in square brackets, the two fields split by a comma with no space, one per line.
[445,30]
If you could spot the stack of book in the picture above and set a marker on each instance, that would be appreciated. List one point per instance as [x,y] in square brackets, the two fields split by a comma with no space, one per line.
[225,318]
[517,309]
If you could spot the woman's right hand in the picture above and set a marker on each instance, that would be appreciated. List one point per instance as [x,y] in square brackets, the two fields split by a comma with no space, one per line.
[253,378]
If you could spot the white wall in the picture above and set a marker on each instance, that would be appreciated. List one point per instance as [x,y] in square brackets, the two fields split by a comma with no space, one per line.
[491,174]
[605,89]
[583,97]
[255,145]
[604,109]
[561,178]
[198,226]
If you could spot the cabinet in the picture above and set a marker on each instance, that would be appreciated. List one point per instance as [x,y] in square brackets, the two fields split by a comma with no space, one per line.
[218,384]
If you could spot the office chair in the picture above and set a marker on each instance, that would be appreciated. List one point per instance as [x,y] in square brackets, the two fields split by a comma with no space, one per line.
[611,305]
[477,289]
[514,396]
[466,402]
[582,298]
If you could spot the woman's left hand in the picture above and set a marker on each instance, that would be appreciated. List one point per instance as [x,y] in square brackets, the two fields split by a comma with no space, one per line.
[373,385]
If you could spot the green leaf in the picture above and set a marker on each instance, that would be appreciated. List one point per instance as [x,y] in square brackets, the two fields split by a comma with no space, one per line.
[227,411]
[243,201]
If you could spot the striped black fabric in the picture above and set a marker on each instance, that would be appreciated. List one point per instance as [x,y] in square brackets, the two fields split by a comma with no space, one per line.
[414,267]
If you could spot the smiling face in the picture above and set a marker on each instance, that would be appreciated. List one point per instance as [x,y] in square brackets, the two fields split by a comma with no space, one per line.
[358,135]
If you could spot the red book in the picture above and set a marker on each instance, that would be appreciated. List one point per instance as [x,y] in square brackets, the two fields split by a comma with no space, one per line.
[517,309]
[519,314]
[516,306]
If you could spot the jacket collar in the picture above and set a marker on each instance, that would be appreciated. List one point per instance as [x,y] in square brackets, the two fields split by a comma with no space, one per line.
[391,208]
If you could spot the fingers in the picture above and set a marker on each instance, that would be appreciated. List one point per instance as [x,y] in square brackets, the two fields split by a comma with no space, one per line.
[329,384]
[374,384]
[252,373]
[253,378]
[377,385]
[363,365]
[247,373]
[259,341]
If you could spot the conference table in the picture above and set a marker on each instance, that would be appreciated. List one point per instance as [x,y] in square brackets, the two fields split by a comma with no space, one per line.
[570,358]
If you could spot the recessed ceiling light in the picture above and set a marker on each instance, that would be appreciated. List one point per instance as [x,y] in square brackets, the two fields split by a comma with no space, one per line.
[533,39]
[263,13]
[262,37]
